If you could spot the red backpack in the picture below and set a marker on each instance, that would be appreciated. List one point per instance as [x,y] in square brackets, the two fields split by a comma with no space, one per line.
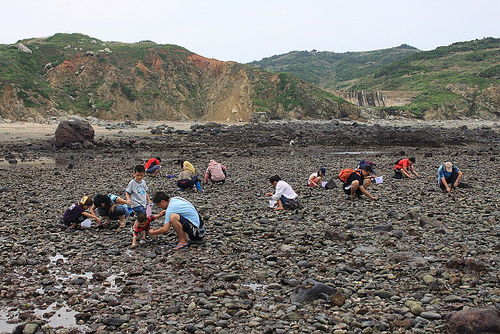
[345,173]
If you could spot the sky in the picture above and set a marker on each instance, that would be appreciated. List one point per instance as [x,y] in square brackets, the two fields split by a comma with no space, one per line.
[244,31]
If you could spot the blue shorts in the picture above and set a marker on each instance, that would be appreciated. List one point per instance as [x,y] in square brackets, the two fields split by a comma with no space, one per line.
[139,209]
[153,169]
[117,212]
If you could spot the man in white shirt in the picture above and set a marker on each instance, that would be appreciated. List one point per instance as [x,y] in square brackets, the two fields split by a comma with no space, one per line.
[284,194]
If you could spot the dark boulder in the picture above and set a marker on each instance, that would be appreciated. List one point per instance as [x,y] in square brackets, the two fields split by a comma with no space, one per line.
[307,293]
[73,131]
[474,321]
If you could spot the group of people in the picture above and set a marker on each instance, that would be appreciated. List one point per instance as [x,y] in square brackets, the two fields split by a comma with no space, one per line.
[356,181]
[179,213]
[183,217]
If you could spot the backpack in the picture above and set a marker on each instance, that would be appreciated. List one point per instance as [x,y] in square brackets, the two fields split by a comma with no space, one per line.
[345,173]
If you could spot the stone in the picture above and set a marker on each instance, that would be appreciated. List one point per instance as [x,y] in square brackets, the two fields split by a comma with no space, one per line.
[338,299]
[24,48]
[30,328]
[316,291]
[474,321]
[428,279]
[414,306]
[382,228]
[116,322]
[73,132]
[430,315]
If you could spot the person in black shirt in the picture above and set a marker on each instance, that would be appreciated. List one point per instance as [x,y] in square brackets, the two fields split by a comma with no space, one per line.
[358,181]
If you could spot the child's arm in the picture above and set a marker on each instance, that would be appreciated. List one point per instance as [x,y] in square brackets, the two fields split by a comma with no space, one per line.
[93,216]
[120,200]
[161,214]
[129,200]
[148,199]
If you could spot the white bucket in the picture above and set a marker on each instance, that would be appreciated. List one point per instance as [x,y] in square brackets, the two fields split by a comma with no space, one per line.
[379,179]
[323,184]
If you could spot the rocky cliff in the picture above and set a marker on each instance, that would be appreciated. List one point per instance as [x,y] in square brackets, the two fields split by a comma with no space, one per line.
[77,74]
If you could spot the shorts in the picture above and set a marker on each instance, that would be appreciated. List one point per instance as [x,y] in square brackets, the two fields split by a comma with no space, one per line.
[153,169]
[398,174]
[347,190]
[139,209]
[118,211]
[194,233]
[185,184]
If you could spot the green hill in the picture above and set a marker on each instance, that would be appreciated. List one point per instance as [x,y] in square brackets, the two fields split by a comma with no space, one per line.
[462,79]
[442,76]
[78,74]
[333,70]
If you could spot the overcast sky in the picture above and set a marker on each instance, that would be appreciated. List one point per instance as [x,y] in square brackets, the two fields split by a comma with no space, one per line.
[250,30]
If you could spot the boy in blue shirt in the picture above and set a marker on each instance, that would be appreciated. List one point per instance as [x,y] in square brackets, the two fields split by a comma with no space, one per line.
[448,176]
[182,216]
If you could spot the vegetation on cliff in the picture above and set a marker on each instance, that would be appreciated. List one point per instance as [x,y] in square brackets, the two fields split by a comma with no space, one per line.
[75,73]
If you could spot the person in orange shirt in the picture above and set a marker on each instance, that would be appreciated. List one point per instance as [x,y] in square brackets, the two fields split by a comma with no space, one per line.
[404,168]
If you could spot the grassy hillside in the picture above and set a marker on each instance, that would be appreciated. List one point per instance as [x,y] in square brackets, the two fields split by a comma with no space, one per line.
[440,74]
[75,73]
[333,70]
[463,78]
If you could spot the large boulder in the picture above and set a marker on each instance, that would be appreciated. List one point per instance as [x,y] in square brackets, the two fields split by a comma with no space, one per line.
[73,131]
[475,321]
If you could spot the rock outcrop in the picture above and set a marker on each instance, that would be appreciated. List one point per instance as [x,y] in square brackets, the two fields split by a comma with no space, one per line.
[474,321]
[73,131]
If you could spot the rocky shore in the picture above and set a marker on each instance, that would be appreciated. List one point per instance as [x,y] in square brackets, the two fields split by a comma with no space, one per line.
[402,264]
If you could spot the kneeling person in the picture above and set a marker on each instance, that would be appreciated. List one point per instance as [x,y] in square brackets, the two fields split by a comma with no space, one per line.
[285,196]
[356,181]
[182,216]
[449,176]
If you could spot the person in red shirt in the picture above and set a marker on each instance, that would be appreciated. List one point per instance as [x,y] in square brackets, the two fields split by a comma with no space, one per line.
[404,167]
[153,166]
[142,226]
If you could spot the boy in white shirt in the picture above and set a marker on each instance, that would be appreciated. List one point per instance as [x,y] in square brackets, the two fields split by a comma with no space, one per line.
[283,194]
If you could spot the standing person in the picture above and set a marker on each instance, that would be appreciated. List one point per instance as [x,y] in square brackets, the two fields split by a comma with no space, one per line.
[182,216]
[136,191]
[77,213]
[153,166]
[216,172]
[315,179]
[405,168]
[356,181]
[284,194]
[449,176]
[111,207]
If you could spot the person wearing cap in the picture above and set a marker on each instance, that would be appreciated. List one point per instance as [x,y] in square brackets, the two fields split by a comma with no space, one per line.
[449,176]
[404,167]
[77,213]
[315,179]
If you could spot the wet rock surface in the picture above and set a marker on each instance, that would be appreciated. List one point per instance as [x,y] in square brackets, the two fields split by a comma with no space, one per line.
[403,264]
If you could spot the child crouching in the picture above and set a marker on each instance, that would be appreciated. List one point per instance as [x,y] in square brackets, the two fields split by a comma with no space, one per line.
[141,227]
[77,213]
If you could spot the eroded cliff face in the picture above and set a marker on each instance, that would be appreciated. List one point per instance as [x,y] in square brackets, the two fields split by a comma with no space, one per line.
[162,83]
